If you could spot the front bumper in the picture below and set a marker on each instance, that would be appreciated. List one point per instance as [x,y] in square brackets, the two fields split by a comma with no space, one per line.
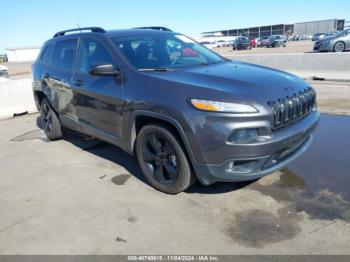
[251,161]
[322,46]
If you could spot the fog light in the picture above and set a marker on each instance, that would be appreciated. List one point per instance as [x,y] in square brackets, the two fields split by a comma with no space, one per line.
[244,135]
[274,159]
[230,166]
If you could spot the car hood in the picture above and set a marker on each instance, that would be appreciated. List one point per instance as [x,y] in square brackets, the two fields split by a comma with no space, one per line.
[331,37]
[235,81]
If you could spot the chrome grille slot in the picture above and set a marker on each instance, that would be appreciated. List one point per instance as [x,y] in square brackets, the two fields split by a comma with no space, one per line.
[290,109]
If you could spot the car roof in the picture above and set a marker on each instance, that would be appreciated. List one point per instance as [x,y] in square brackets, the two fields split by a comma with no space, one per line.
[61,36]
[114,33]
[135,32]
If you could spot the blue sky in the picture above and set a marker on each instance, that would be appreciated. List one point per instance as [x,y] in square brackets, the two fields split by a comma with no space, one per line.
[31,22]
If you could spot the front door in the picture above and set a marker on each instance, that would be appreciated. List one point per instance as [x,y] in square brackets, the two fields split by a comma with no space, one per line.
[97,99]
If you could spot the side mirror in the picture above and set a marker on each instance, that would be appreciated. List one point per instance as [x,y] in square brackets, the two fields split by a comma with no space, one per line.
[104,70]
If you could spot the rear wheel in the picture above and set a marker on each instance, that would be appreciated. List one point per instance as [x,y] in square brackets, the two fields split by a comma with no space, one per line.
[163,160]
[50,122]
[339,47]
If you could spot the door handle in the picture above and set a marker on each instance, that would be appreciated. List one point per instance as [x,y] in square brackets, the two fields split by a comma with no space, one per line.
[78,82]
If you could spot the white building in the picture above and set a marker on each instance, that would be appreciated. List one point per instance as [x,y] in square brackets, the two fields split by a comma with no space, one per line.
[22,54]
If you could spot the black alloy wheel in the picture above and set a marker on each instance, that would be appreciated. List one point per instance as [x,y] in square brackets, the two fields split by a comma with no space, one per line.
[163,159]
[160,159]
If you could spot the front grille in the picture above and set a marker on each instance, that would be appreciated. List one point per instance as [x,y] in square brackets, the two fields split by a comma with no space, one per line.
[292,108]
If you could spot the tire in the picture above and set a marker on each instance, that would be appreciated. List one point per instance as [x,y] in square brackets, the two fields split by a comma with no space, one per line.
[339,47]
[163,160]
[50,122]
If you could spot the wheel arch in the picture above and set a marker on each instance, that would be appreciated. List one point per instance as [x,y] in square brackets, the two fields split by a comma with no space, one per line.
[39,96]
[142,118]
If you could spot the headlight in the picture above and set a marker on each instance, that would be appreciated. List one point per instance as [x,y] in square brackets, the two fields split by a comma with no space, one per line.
[216,106]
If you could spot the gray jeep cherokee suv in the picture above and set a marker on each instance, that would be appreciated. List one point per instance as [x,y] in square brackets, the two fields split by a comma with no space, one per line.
[186,112]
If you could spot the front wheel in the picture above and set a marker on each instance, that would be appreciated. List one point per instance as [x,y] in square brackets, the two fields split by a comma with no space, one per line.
[163,160]
[339,47]
[50,122]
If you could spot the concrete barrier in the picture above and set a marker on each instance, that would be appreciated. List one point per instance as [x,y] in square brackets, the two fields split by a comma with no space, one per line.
[16,97]
[312,64]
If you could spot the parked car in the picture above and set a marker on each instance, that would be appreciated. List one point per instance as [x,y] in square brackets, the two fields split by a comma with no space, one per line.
[276,41]
[3,58]
[262,42]
[185,115]
[230,43]
[294,38]
[334,43]
[317,36]
[207,44]
[253,42]
[304,37]
[3,72]
[221,43]
[241,43]
[331,33]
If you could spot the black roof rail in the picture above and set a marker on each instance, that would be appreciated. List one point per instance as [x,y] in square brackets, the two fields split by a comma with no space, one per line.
[160,28]
[92,29]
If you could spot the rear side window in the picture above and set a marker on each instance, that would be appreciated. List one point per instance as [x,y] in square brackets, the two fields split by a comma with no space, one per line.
[64,54]
[47,55]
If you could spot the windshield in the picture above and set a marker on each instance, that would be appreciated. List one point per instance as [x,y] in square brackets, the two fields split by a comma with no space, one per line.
[342,33]
[164,51]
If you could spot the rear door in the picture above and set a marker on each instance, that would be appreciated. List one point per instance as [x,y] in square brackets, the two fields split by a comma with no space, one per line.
[98,99]
[58,79]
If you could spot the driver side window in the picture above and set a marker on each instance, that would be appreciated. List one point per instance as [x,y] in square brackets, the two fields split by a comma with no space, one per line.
[174,49]
[183,52]
[93,53]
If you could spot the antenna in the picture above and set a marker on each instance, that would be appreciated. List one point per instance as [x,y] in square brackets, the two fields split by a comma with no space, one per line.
[78,26]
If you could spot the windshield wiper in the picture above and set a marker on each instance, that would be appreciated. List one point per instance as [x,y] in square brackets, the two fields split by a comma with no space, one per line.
[156,69]
[210,63]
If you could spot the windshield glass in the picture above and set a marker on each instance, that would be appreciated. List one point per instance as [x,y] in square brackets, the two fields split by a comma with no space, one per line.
[342,33]
[164,51]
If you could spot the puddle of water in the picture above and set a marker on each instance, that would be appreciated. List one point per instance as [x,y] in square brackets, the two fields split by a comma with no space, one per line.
[257,228]
[316,185]
[326,164]
[318,182]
